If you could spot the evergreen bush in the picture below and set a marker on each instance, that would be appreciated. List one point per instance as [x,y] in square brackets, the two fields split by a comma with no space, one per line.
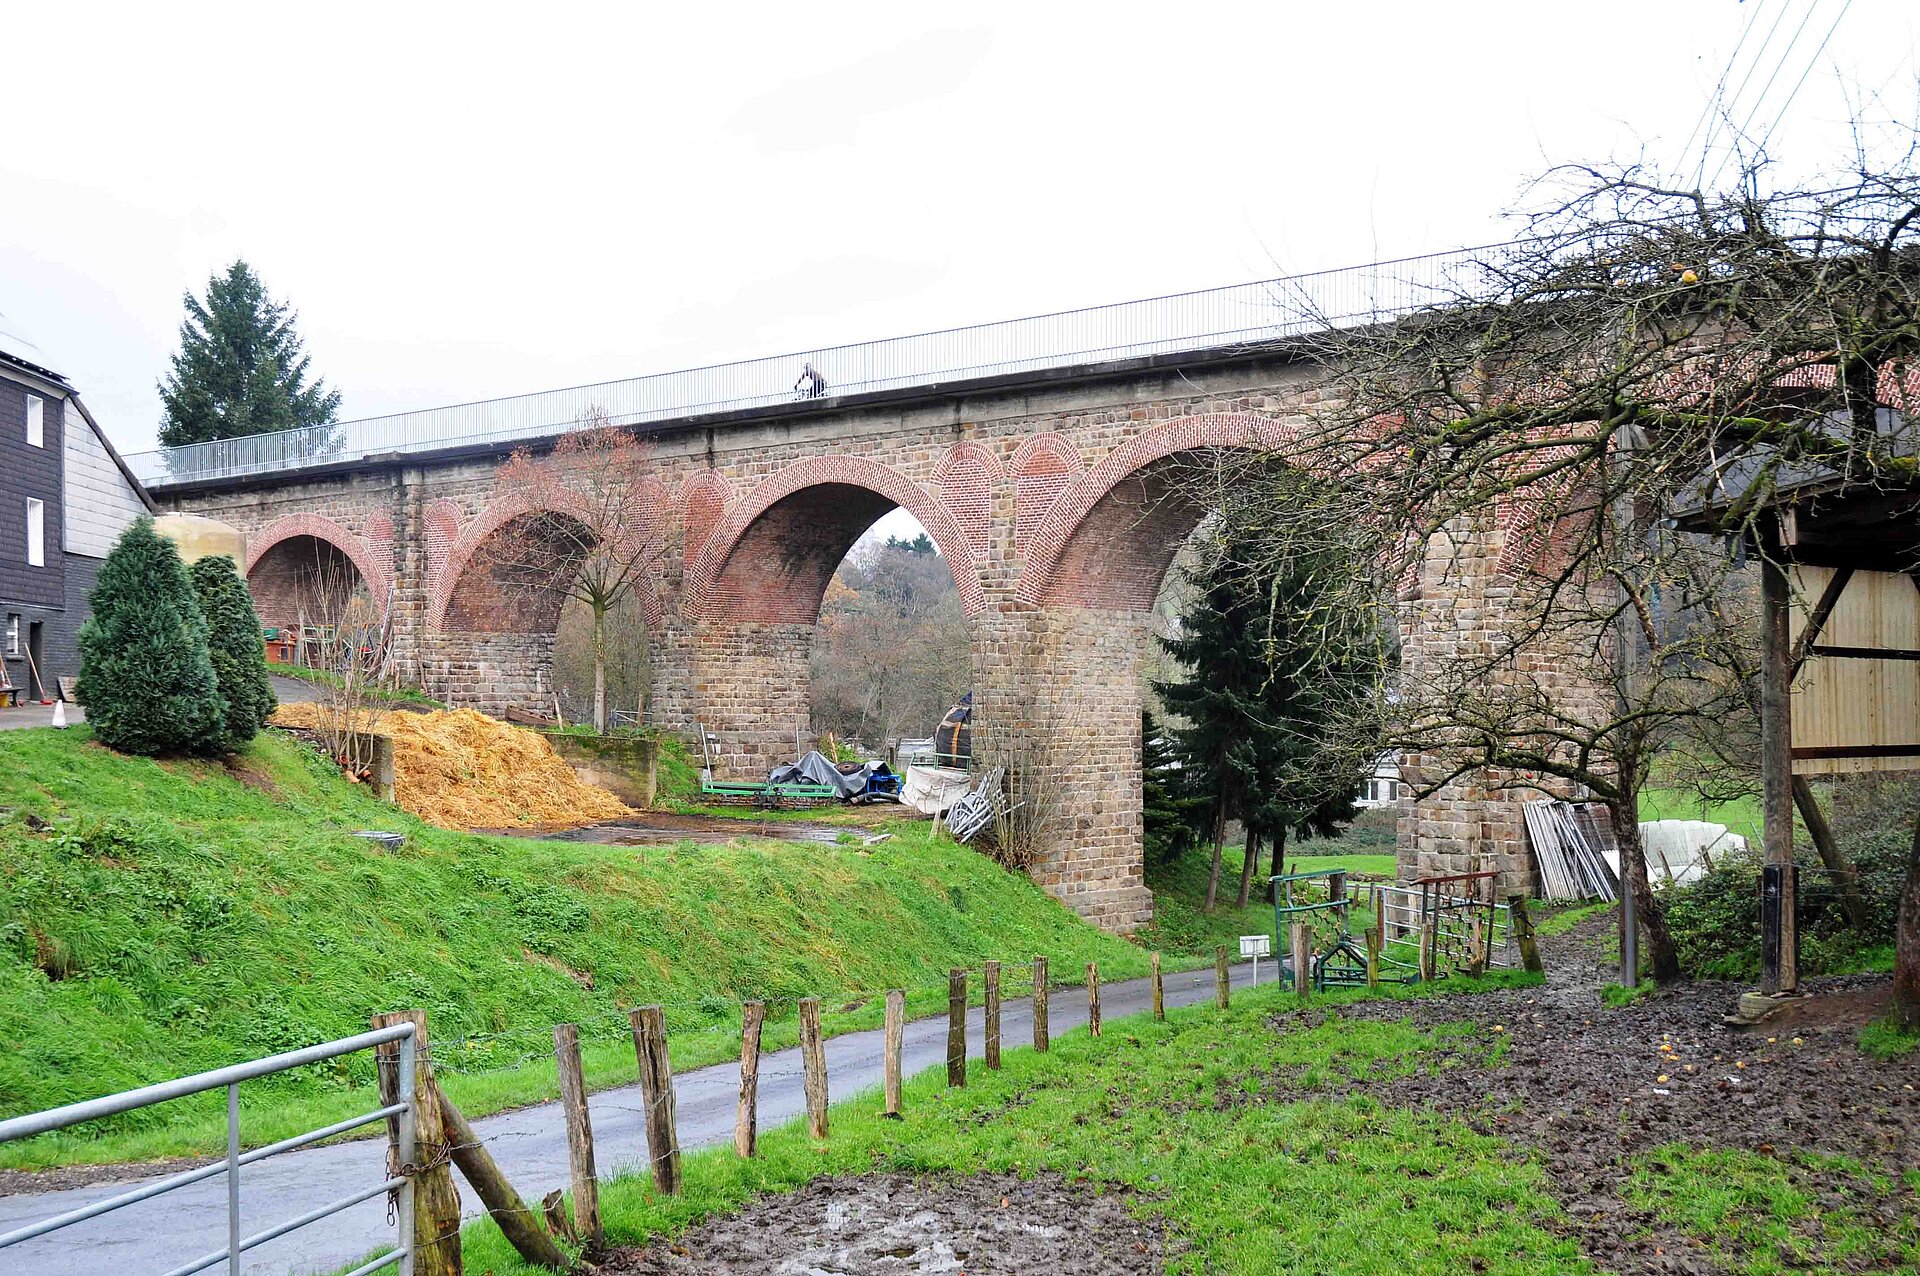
[239,657]
[146,675]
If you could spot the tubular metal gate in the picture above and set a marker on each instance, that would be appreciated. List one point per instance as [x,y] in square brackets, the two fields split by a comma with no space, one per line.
[400,1186]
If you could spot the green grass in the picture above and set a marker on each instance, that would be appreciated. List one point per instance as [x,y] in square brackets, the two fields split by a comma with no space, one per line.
[1759,1215]
[1884,1041]
[327,678]
[1561,922]
[180,915]
[1182,1114]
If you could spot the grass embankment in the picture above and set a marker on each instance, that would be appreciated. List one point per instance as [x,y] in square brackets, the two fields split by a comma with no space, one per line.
[177,916]
[1181,1113]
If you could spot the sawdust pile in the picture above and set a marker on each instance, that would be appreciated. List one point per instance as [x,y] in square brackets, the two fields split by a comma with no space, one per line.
[460,769]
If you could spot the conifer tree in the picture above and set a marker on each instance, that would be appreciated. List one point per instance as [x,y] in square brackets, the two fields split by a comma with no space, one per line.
[240,368]
[146,675]
[1288,652]
[1172,818]
[239,656]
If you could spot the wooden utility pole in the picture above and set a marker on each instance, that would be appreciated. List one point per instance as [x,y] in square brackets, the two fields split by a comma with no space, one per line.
[649,1025]
[746,1118]
[1093,999]
[956,1027]
[1779,928]
[991,977]
[1040,1004]
[436,1201]
[813,1067]
[890,1051]
[1222,988]
[519,1224]
[1159,989]
[573,1104]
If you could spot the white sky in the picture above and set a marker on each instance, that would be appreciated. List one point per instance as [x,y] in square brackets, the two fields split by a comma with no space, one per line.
[465,201]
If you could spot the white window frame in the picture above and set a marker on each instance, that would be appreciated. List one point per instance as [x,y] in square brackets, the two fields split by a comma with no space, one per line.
[36,421]
[13,633]
[36,532]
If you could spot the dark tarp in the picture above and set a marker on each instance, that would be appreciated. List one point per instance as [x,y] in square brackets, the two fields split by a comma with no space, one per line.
[815,769]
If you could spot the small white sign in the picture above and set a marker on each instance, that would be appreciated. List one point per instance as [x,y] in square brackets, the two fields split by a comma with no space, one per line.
[1256,947]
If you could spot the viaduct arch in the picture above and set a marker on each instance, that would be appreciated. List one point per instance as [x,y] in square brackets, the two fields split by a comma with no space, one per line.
[1053,499]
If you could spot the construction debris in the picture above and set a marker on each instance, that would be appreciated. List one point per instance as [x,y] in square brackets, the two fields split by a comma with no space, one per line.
[1570,843]
[460,769]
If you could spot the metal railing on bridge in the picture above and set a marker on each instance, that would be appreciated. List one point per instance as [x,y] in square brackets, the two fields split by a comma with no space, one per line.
[1214,318]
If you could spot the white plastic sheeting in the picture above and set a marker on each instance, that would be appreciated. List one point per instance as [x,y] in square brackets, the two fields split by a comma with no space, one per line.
[933,789]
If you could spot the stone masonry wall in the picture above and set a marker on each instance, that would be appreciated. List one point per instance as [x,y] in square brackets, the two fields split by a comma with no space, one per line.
[1043,500]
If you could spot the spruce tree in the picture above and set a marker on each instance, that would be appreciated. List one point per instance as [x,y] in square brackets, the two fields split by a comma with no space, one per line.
[1172,818]
[146,675]
[240,368]
[239,657]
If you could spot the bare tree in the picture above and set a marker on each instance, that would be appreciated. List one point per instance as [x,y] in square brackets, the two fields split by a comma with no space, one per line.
[1647,359]
[589,533]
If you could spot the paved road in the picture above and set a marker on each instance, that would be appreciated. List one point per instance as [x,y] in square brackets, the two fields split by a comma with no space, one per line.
[531,1146]
[290,691]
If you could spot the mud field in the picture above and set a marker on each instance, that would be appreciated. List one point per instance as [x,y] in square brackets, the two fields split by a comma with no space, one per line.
[891,1224]
[1589,1087]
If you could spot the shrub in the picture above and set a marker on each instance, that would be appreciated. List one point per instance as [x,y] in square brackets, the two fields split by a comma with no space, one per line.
[1716,921]
[146,675]
[233,639]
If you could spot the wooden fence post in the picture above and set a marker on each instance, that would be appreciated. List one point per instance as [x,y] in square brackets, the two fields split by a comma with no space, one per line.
[1093,999]
[1221,987]
[649,1025]
[746,1118]
[1159,989]
[573,1102]
[1522,924]
[890,1052]
[813,1066]
[436,1201]
[1376,939]
[956,1027]
[519,1224]
[1302,960]
[991,977]
[1429,941]
[1040,1004]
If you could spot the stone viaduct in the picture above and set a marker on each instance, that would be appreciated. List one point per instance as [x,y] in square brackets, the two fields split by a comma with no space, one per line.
[1051,496]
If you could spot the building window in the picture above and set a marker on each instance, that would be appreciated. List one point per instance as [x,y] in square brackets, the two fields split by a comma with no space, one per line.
[36,533]
[36,421]
[13,637]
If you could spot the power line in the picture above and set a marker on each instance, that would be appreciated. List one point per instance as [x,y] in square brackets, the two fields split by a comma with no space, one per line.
[1811,62]
[1753,110]
[1730,103]
[1719,91]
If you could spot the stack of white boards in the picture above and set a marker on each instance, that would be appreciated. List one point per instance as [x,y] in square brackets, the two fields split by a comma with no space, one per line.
[1572,845]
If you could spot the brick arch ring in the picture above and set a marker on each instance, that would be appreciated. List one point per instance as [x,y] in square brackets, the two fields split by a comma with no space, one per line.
[379,577]
[498,515]
[1236,430]
[703,577]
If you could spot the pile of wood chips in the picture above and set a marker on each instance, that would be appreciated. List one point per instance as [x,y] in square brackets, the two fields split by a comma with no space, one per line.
[463,770]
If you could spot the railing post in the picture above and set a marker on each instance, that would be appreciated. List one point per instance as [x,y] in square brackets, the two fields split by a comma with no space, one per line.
[233,1179]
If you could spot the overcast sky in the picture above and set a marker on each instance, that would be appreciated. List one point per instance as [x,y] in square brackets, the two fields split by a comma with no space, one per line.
[466,201]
